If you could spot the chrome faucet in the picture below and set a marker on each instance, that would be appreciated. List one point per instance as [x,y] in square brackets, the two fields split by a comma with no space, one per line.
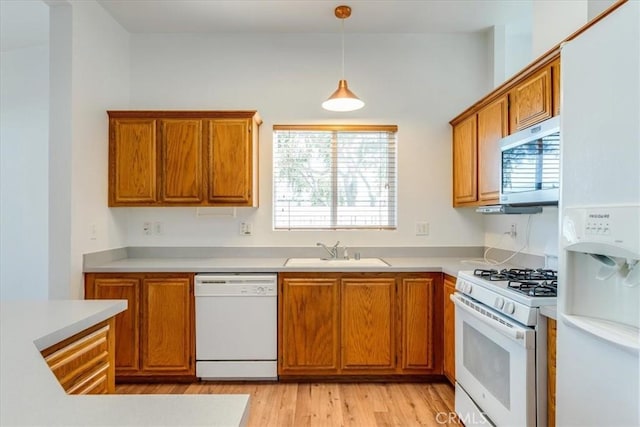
[333,251]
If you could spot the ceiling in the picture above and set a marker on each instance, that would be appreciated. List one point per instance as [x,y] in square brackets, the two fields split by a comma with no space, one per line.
[25,23]
[316,16]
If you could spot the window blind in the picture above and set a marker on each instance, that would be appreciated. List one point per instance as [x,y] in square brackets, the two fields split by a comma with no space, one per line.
[334,177]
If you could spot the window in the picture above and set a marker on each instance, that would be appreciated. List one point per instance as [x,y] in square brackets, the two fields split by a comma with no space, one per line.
[334,177]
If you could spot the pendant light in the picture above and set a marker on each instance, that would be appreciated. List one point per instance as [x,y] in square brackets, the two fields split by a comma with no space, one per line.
[342,99]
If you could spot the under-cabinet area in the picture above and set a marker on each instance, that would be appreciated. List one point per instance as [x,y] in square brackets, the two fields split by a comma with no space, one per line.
[359,324]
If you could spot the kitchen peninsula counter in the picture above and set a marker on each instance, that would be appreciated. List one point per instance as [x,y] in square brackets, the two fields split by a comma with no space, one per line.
[30,394]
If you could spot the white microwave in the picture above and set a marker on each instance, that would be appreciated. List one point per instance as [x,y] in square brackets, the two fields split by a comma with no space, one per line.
[530,165]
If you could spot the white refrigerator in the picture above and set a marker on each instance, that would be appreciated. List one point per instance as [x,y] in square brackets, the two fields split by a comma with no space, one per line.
[598,378]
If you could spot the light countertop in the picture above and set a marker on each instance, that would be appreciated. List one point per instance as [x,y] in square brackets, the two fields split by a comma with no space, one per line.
[31,395]
[448,265]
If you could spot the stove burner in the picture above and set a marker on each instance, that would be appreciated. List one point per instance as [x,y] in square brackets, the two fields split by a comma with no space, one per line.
[481,272]
[516,274]
[535,289]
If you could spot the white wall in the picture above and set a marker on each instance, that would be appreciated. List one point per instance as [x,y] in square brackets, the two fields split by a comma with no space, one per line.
[554,20]
[418,82]
[99,58]
[24,150]
[536,234]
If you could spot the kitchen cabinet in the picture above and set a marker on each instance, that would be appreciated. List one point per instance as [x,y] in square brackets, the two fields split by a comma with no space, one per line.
[419,321]
[465,161]
[555,79]
[308,323]
[476,154]
[132,161]
[530,97]
[183,158]
[531,100]
[155,335]
[84,363]
[368,323]
[492,127]
[551,372]
[355,324]
[449,362]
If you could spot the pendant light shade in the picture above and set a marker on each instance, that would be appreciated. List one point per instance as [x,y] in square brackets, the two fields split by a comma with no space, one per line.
[342,99]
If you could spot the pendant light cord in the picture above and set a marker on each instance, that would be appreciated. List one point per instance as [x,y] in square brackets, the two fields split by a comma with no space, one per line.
[342,48]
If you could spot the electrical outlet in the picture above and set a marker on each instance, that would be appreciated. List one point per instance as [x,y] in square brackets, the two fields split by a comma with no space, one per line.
[93,231]
[246,229]
[422,228]
[158,228]
[514,231]
[147,230]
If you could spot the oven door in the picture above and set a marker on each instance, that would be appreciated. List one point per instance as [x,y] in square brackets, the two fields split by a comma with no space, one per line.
[495,366]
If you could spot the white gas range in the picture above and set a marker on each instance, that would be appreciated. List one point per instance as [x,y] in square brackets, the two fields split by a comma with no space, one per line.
[501,345]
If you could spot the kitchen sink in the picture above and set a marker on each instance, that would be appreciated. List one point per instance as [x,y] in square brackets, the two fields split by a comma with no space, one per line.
[351,262]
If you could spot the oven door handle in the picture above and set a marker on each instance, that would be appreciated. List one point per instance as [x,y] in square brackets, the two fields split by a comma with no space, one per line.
[514,334]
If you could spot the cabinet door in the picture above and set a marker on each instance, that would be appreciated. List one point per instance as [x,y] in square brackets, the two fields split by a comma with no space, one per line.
[465,184]
[551,372]
[417,323]
[449,329]
[167,336]
[555,78]
[181,172]
[127,324]
[132,162]
[308,339]
[368,324]
[492,126]
[230,161]
[531,100]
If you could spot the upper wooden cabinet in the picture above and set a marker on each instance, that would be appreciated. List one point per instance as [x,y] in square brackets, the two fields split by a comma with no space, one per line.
[531,100]
[132,161]
[528,98]
[555,79]
[183,158]
[476,154]
[465,161]
[492,126]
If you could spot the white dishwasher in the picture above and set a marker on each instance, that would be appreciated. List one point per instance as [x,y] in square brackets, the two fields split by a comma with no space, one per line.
[236,326]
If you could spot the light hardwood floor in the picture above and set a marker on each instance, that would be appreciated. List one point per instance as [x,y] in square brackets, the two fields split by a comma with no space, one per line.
[328,404]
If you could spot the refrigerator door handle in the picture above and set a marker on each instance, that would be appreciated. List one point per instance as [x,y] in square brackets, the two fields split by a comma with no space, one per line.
[624,336]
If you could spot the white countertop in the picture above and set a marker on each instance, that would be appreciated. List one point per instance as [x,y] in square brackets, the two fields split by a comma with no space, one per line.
[448,265]
[31,395]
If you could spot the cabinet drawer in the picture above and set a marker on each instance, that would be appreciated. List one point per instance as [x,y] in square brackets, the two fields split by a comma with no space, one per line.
[82,363]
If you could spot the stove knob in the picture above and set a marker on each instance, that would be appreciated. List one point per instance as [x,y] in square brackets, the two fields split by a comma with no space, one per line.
[509,307]
[468,288]
[498,303]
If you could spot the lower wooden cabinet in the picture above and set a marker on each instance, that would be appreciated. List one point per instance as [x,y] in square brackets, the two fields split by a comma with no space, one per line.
[309,324]
[449,338]
[551,372]
[84,363]
[368,332]
[356,324]
[155,335]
